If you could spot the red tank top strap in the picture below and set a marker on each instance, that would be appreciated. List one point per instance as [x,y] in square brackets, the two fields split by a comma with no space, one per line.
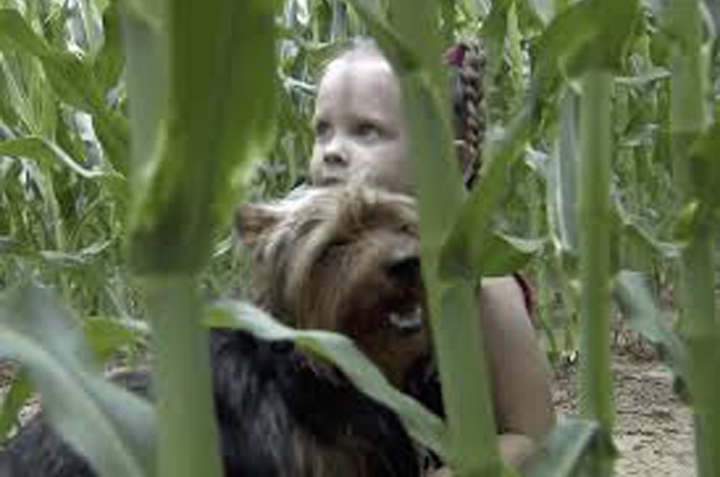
[528,294]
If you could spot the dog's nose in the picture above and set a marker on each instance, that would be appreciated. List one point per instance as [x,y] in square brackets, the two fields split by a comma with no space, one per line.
[404,269]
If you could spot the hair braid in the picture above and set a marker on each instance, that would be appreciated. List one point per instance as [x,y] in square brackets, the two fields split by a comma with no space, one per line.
[468,61]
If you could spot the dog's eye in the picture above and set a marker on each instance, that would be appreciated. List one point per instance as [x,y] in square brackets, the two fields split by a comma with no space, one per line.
[338,244]
[333,248]
[408,229]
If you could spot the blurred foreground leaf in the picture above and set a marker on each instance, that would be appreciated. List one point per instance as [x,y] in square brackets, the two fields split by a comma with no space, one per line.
[106,335]
[565,447]
[219,111]
[39,333]
[705,170]
[421,424]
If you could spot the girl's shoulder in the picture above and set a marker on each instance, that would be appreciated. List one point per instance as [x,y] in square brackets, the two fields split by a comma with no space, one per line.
[510,295]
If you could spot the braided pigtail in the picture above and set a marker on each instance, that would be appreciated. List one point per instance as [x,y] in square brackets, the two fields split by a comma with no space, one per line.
[468,63]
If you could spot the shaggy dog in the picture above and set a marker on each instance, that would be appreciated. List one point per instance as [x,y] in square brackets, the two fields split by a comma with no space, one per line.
[342,259]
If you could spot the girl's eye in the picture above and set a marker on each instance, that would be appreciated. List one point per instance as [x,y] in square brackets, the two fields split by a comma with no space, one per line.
[322,129]
[368,131]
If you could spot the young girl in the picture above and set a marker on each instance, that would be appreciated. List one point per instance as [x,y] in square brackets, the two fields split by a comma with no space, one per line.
[360,136]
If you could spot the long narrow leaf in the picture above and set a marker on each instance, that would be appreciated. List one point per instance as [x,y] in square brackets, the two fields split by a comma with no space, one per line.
[564,449]
[43,150]
[220,112]
[202,85]
[422,425]
[644,316]
[37,331]
[72,79]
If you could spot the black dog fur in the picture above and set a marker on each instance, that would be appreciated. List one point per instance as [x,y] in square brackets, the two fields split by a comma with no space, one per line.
[270,400]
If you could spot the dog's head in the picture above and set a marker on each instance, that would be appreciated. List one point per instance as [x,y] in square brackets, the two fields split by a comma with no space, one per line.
[345,259]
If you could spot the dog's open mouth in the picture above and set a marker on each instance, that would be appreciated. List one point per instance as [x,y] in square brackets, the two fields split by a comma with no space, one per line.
[398,316]
[406,320]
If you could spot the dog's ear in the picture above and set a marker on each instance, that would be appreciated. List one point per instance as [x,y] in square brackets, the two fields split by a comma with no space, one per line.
[252,220]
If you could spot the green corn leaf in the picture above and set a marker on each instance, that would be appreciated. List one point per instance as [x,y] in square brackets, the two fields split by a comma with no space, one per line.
[423,108]
[422,425]
[38,332]
[146,80]
[435,173]
[629,226]
[404,58]
[221,110]
[564,37]
[434,169]
[616,20]
[466,247]
[648,77]
[41,149]
[498,255]
[201,89]
[16,68]
[71,78]
[589,34]
[150,12]
[109,60]
[562,189]
[713,7]
[505,254]
[105,336]
[564,449]
[689,217]
[705,169]
[634,297]
[78,259]
[559,176]
[540,9]
[8,114]
[493,34]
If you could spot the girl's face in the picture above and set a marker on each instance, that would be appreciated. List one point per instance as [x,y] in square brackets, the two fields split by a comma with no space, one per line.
[359,131]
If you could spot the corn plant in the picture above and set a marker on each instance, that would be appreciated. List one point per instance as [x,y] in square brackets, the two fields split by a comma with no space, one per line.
[689,120]
[125,132]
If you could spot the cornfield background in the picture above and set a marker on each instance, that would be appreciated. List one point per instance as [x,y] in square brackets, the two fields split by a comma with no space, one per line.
[124,145]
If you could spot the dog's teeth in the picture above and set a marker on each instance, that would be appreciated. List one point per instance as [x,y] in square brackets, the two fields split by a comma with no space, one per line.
[408,322]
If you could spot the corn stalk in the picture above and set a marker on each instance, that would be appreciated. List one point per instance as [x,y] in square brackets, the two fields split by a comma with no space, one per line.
[697,265]
[198,109]
[594,245]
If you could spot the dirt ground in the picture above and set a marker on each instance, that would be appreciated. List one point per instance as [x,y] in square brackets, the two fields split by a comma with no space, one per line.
[653,428]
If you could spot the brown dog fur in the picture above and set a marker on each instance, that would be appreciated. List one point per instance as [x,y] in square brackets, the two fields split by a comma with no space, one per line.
[322,261]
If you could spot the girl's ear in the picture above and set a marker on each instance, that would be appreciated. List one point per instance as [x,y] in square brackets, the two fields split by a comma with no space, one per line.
[253,220]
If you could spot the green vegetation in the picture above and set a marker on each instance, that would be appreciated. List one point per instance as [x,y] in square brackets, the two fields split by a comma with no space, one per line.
[128,129]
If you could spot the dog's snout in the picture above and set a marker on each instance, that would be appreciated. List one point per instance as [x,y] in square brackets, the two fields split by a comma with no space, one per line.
[404,269]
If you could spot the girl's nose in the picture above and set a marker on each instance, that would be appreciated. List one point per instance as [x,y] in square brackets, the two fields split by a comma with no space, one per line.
[335,154]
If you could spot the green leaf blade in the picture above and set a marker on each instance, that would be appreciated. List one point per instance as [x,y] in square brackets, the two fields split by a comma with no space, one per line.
[36,331]
[221,111]
[421,424]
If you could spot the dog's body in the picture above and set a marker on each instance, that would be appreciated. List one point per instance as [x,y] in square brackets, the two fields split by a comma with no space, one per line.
[339,259]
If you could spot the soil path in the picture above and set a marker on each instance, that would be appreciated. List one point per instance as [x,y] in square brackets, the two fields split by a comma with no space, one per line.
[653,428]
